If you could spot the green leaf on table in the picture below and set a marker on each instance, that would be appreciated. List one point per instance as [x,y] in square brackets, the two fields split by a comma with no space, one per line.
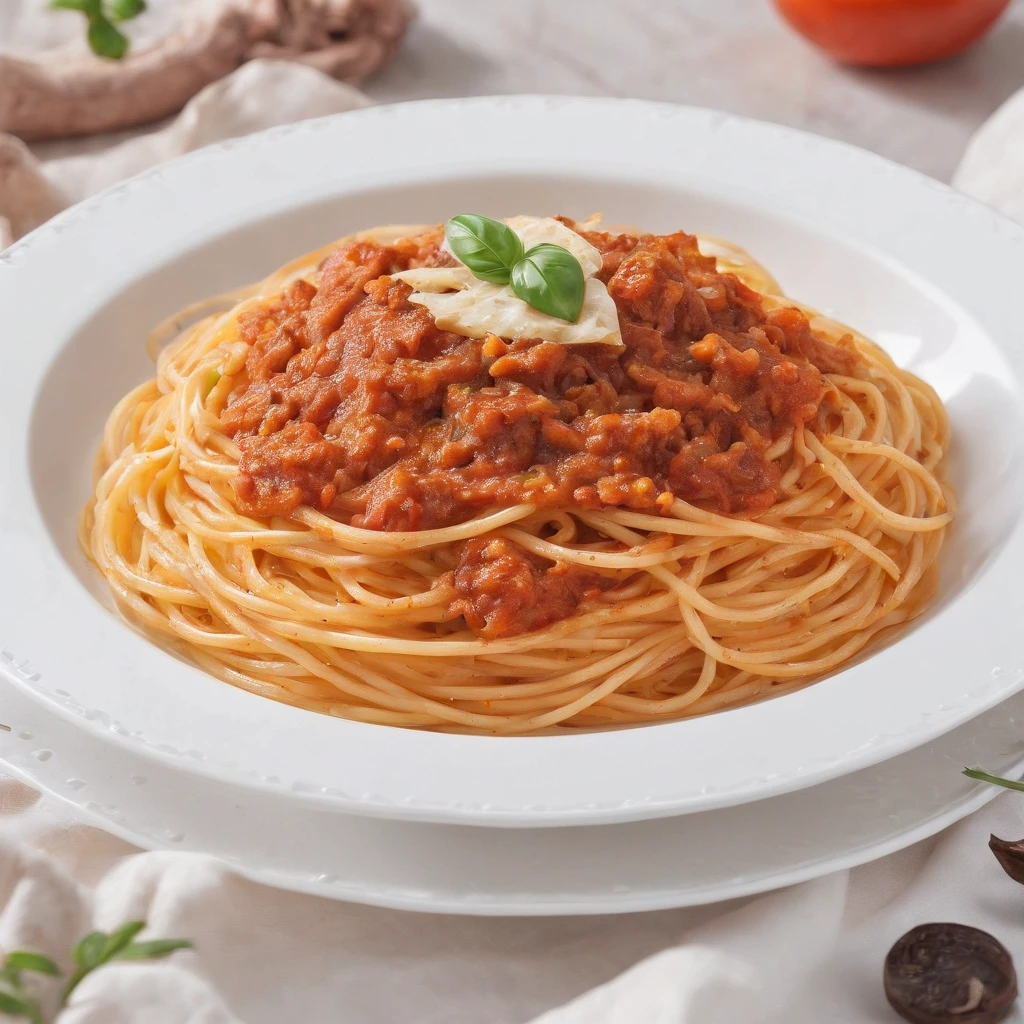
[120,938]
[550,279]
[152,949]
[16,1006]
[489,248]
[123,10]
[98,948]
[23,961]
[89,951]
[105,39]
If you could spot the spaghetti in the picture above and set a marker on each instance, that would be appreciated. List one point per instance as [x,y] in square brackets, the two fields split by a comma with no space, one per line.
[653,605]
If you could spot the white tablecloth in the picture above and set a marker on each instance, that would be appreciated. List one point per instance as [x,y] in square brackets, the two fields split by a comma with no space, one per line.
[811,954]
[806,955]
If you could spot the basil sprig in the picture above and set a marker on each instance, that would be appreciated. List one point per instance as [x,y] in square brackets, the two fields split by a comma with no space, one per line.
[17,995]
[105,38]
[547,277]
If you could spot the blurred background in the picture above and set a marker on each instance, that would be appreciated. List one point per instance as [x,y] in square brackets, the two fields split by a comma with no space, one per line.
[98,90]
[733,55]
[748,57]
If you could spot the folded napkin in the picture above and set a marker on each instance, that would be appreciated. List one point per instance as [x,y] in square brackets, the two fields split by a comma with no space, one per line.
[806,955]
[992,168]
[260,94]
[52,85]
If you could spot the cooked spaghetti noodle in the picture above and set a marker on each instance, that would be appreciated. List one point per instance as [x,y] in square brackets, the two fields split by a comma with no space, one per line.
[680,602]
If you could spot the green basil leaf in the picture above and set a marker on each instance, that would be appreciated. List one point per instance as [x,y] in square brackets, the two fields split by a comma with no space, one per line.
[105,39]
[152,949]
[123,10]
[16,1006]
[22,961]
[120,938]
[550,279]
[89,951]
[489,248]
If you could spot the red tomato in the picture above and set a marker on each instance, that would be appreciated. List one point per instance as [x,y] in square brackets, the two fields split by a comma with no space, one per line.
[892,32]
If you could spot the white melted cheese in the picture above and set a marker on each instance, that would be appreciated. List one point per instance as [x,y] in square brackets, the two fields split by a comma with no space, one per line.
[463,304]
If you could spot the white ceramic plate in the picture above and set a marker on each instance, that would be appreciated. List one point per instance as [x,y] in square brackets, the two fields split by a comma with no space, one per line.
[935,277]
[668,862]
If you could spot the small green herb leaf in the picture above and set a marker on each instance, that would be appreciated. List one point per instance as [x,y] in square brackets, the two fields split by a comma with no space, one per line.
[550,279]
[489,248]
[89,951]
[996,780]
[105,39]
[22,961]
[119,939]
[123,10]
[16,1006]
[152,949]
[96,949]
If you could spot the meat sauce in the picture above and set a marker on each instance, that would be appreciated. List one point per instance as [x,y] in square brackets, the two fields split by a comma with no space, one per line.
[354,402]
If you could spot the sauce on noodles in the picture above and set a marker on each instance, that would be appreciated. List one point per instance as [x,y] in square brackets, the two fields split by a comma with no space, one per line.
[354,401]
[324,498]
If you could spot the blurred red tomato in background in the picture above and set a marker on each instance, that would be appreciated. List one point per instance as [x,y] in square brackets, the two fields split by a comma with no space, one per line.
[890,33]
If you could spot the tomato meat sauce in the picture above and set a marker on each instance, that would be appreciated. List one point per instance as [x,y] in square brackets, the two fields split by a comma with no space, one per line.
[352,401]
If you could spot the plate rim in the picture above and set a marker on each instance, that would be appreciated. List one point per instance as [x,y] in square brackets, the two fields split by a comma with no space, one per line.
[80,801]
[78,224]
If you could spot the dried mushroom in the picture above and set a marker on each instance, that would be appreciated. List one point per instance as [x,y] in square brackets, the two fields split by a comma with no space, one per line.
[1010,856]
[950,974]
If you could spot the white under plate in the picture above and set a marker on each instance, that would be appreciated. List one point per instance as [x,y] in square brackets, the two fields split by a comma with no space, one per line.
[933,276]
[458,869]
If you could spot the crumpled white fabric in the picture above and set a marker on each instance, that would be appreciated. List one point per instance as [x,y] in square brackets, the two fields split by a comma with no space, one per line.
[811,954]
[52,86]
[992,167]
[806,955]
[258,95]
